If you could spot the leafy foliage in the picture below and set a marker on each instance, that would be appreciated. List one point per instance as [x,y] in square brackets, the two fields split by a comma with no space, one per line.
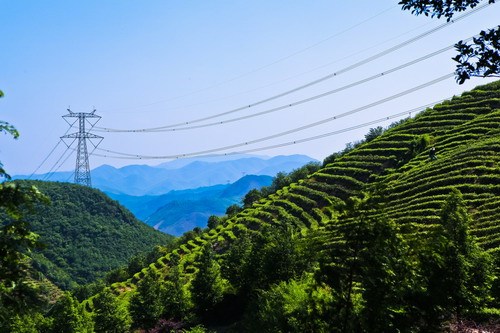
[146,304]
[20,292]
[85,234]
[371,242]
[438,8]
[482,58]
[68,316]
[208,286]
[468,267]
[293,306]
[110,316]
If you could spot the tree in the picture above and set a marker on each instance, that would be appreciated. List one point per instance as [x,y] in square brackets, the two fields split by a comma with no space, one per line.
[16,241]
[283,179]
[146,304]
[469,268]
[276,256]
[176,302]
[366,268]
[233,210]
[292,306]
[32,323]
[236,266]
[213,221]
[69,316]
[373,133]
[110,316]
[208,286]
[457,273]
[252,196]
[482,57]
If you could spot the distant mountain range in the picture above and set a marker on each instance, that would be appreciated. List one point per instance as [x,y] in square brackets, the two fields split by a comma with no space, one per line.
[182,210]
[140,180]
[176,196]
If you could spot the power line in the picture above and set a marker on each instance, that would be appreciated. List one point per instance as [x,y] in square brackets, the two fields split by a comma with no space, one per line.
[291,131]
[347,56]
[47,157]
[62,163]
[54,169]
[294,142]
[303,101]
[311,83]
[324,135]
[276,61]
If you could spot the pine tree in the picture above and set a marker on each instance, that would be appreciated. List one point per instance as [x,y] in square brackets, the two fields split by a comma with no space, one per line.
[176,297]
[68,316]
[367,269]
[208,286]
[110,316]
[146,304]
[457,274]
[469,267]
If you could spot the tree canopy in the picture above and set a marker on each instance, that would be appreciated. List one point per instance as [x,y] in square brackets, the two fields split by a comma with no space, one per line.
[482,56]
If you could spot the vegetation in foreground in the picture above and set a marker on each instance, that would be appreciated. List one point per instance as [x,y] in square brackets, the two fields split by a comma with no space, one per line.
[381,238]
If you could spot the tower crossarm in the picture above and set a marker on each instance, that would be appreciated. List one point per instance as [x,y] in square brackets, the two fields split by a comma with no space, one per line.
[82,168]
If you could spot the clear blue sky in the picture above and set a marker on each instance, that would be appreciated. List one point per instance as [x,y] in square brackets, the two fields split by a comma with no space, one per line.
[150,63]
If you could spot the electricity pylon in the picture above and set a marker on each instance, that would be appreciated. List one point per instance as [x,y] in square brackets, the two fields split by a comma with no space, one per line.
[82,168]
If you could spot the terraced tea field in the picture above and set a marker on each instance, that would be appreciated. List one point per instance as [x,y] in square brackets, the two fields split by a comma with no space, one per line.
[466,134]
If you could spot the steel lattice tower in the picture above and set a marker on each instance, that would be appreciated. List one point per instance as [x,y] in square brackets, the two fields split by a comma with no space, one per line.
[82,168]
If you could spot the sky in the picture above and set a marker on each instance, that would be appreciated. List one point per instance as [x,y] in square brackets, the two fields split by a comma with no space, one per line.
[156,63]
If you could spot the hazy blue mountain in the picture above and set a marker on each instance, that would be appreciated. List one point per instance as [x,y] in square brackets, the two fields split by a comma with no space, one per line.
[181,210]
[181,162]
[143,206]
[140,180]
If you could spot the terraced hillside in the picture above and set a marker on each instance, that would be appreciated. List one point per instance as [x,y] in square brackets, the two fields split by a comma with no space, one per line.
[466,134]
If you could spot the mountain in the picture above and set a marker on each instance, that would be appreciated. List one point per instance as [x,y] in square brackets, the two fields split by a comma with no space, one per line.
[85,234]
[140,180]
[179,211]
[385,234]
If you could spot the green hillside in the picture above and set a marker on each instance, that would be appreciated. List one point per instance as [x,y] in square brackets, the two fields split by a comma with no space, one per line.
[385,237]
[413,187]
[85,234]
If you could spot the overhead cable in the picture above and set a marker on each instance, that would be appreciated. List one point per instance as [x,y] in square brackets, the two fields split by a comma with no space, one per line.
[276,61]
[294,142]
[303,101]
[291,131]
[57,165]
[311,83]
[47,157]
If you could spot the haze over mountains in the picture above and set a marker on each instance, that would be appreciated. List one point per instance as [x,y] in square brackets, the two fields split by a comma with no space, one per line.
[385,216]
[177,196]
[414,231]
[139,180]
[182,210]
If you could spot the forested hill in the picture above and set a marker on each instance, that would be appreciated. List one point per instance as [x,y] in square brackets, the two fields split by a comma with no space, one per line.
[86,234]
[385,236]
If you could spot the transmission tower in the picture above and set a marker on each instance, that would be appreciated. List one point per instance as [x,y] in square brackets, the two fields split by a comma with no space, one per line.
[82,168]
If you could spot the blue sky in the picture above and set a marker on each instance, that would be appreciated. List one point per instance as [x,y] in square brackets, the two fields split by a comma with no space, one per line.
[153,63]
